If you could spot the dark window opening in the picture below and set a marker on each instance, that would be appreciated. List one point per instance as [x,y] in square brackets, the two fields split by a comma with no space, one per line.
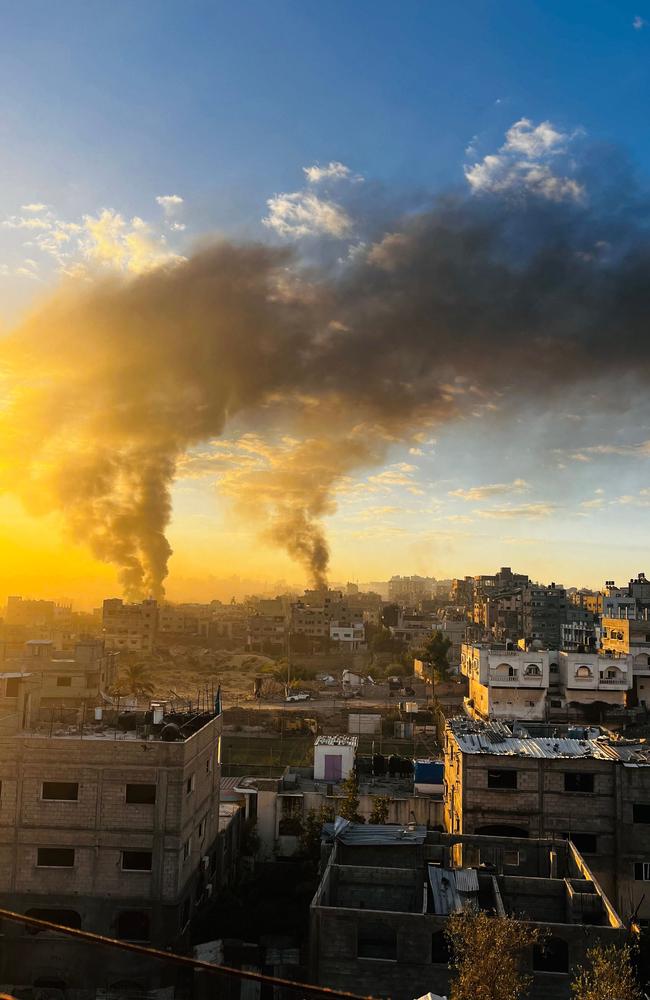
[133,925]
[12,687]
[55,857]
[61,791]
[185,913]
[440,953]
[641,812]
[64,682]
[377,940]
[502,778]
[642,871]
[136,861]
[141,794]
[578,781]
[551,956]
[587,843]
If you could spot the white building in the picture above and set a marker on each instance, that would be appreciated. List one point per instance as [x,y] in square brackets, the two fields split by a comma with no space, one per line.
[350,636]
[506,683]
[334,757]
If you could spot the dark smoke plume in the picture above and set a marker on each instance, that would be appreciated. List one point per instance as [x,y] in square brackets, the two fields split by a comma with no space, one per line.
[106,389]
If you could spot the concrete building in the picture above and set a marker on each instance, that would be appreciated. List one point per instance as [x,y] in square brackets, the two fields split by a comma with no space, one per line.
[279,806]
[109,827]
[130,627]
[378,918]
[594,790]
[334,757]
[266,632]
[626,637]
[348,636]
[187,620]
[544,610]
[64,680]
[409,590]
[506,683]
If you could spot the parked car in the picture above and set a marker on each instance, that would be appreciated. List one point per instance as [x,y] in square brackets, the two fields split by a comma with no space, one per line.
[298,696]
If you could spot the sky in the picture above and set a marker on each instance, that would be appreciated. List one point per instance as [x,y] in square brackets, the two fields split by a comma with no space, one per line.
[131,134]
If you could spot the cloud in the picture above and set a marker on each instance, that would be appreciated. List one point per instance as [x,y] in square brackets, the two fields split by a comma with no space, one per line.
[170,203]
[334,171]
[34,206]
[639,23]
[490,490]
[302,213]
[524,163]
[638,450]
[527,510]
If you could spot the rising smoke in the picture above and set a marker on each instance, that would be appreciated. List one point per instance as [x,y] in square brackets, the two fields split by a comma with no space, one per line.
[107,389]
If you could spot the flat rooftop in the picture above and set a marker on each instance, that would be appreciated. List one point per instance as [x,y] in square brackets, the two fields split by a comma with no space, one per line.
[134,727]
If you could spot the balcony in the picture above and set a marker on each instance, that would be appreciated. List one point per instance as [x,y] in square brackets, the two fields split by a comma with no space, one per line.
[616,682]
[497,679]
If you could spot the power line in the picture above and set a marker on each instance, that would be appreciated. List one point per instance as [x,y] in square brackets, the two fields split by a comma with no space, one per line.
[168,956]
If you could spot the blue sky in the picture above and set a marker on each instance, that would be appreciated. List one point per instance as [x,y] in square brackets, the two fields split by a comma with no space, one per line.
[111,106]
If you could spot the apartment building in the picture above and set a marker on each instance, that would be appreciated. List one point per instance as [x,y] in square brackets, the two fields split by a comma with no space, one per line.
[111,828]
[187,620]
[627,637]
[66,680]
[409,590]
[130,627]
[378,919]
[502,781]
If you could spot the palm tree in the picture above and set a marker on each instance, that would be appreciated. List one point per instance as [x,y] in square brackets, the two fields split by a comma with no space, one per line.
[136,680]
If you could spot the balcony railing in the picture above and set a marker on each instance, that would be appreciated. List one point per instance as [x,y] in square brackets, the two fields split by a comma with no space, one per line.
[613,681]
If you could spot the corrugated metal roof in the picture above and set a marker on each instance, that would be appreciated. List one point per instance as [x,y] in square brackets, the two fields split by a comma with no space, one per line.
[496,738]
[444,893]
[361,834]
[466,879]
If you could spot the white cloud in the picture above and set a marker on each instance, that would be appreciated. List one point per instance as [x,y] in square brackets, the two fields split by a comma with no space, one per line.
[528,510]
[169,202]
[34,206]
[639,23]
[334,171]
[302,213]
[524,163]
[491,490]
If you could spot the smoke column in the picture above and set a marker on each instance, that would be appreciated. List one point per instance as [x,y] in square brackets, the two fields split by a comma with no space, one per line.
[104,390]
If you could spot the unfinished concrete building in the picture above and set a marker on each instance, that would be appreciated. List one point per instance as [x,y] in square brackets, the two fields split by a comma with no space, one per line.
[378,918]
[111,827]
[506,781]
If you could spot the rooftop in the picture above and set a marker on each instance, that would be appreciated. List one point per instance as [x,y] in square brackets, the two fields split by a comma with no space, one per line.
[336,741]
[496,738]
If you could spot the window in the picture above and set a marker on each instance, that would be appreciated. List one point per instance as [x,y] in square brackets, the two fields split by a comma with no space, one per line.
[532,670]
[55,857]
[375,940]
[60,791]
[578,781]
[187,847]
[64,682]
[189,785]
[144,795]
[641,812]
[202,829]
[584,671]
[587,843]
[136,861]
[511,858]
[185,913]
[642,871]
[502,777]
[551,956]
[133,925]
[440,953]
[208,764]
[12,686]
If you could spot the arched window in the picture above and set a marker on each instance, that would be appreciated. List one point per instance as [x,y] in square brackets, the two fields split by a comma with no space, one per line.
[584,671]
[376,940]
[551,956]
[440,953]
[554,669]
[532,670]
[133,925]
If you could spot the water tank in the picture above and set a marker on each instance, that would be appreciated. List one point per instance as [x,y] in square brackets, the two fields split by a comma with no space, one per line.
[170,733]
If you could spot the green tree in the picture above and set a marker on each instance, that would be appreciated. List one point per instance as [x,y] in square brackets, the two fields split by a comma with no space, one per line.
[487,954]
[348,807]
[609,975]
[312,826]
[435,653]
[380,806]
